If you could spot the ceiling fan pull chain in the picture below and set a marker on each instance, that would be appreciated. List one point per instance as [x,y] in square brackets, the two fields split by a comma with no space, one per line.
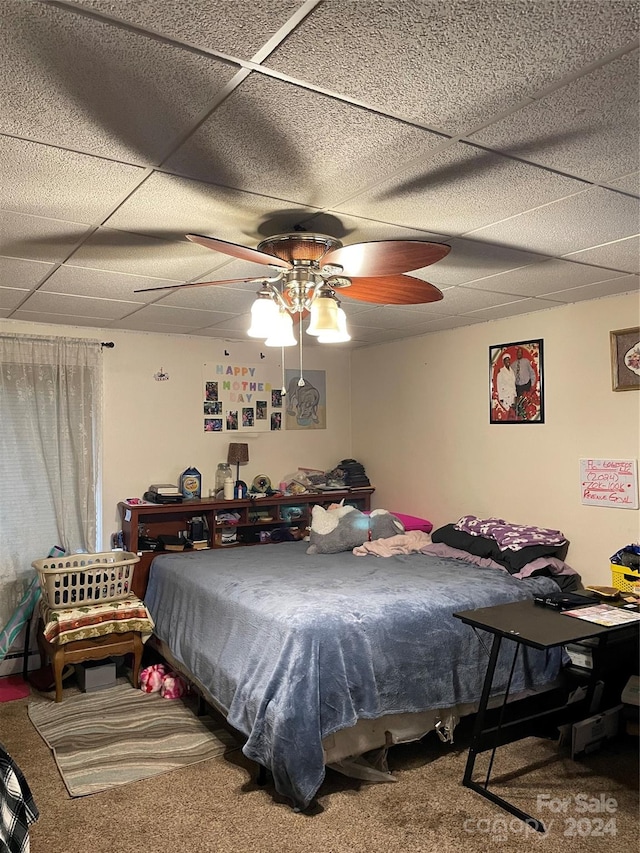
[301,379]
[283,390]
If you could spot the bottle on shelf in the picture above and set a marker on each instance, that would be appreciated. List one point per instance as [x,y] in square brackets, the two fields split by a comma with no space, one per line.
[223,472]
[228,489]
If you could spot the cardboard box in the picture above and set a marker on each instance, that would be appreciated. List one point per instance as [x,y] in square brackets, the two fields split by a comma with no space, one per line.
[588,735]
[96,675]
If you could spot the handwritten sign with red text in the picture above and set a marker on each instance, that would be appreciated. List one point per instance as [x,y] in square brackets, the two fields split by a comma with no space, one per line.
[609,482]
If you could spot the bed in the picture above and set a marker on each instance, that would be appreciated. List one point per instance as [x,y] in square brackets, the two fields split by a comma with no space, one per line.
[298,649]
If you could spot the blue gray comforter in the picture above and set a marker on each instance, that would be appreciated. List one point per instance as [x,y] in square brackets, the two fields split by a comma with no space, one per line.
[296,646]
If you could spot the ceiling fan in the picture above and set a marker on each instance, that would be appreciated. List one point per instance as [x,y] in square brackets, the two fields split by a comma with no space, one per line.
[372,272]
[309,268]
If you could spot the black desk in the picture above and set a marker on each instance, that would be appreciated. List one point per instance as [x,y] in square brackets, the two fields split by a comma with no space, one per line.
[542,628]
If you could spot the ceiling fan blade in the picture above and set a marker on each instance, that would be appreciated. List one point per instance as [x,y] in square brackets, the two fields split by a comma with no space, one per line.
[238,251]
[199,284]
[386,257]
[392,290]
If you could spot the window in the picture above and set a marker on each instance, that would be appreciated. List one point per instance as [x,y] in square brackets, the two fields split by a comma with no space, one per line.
[50,426]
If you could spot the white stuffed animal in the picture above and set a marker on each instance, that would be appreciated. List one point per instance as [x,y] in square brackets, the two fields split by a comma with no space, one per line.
[345,527]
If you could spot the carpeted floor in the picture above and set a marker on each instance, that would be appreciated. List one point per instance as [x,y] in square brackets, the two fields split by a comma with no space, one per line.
[120,735]
[216,807]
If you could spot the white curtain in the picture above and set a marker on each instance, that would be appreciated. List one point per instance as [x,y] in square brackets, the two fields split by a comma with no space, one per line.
[50,427]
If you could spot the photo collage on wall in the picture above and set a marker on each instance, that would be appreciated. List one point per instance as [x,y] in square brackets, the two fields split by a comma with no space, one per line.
[241,398]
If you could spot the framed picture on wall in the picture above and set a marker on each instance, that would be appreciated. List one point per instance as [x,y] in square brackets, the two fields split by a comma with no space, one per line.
[625,359]
[516,391]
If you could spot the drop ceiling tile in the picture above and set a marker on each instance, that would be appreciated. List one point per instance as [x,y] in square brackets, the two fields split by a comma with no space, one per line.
[572,224]
[170,207]
[470,260]
[46,181]
[355,308]
[226,299]
[60,319]
[624,284]
[429,309]
[39,239]
[514,309]
[442,324]
[356,229]
[136,323]
[385,317]
[317,162]
[459,190]
[543,278]
[462,299]
[76,82]
[240,32]
[236,325]
[11,297]
[450,64]
[184,317]
[219,333]
[75,281]
[620,255]
[571,128]
[22,274]
[139,254]
[380,336]
[364,333]
[628,183]
[77,306]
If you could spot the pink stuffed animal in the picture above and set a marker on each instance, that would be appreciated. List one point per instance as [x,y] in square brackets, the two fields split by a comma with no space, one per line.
[173,686]
[151,678]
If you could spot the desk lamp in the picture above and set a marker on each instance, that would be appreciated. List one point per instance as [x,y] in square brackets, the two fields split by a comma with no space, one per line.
[238,454]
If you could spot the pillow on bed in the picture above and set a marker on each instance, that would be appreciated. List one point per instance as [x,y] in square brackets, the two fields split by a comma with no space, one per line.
[412,522]
[480,546]
[345,527]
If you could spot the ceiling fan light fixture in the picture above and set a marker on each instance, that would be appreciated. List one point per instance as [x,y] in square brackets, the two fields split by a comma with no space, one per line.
[324,315]
[281,333]
[264,314]
[341,335]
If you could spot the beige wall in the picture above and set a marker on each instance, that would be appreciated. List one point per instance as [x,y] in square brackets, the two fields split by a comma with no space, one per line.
[154,430]
[414,412]
[421,426]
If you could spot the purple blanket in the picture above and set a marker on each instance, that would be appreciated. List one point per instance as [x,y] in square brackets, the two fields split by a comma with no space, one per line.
[512,537]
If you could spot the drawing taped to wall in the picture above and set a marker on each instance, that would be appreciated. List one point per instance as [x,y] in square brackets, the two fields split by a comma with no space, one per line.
[516,393]
[306,406]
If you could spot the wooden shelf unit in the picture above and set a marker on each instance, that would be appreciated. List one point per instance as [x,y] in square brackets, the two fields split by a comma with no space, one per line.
[154,520]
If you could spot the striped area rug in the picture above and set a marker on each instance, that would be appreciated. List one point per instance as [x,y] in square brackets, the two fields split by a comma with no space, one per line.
[111,737]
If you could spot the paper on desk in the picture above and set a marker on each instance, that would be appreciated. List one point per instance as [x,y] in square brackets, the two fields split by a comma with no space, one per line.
[604,614]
